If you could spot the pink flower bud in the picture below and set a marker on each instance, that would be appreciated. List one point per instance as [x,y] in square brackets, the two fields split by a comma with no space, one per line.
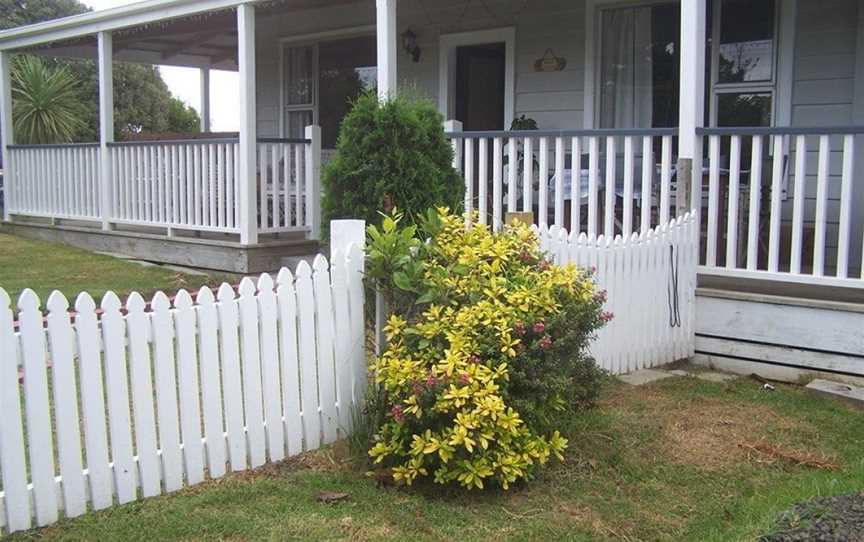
[546,342]
[464,379]
[398,413]
[607,316]
[539,327]
[519,327]
[474,358]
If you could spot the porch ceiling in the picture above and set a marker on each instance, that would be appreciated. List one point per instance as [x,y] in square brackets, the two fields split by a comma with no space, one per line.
[206,38]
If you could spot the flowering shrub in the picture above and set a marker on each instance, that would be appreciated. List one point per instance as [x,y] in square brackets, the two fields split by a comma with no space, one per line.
[489,351]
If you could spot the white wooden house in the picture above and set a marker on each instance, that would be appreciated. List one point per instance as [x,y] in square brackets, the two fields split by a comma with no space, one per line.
[749,111]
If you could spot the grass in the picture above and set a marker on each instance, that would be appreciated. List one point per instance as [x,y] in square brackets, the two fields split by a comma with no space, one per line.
[45,267]
[670,461]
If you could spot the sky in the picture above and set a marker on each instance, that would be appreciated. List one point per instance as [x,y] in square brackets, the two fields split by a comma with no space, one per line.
[185,83]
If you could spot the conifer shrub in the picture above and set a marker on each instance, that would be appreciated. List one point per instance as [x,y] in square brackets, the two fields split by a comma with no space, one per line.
[390,154]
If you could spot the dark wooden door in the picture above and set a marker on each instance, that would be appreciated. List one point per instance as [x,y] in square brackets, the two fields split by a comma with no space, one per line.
[480,86]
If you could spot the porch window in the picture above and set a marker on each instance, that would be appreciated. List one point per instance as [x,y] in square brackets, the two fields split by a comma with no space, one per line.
[638,66]
[322,79]
[744,62]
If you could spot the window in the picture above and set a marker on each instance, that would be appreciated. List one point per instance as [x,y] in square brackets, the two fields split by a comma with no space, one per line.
[322,79]
[744,62]
[638,66]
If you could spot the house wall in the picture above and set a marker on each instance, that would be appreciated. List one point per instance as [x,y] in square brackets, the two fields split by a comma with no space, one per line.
[554,100]
[824,94]
[824,71]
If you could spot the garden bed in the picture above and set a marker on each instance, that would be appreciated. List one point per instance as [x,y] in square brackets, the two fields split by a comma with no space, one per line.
[668,461]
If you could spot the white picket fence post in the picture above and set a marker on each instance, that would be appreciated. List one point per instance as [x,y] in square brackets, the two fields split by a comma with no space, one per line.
[274,371]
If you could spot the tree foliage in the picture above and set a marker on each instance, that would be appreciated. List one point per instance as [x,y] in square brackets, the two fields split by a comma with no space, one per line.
[182,118]
[142,101]
[46,102]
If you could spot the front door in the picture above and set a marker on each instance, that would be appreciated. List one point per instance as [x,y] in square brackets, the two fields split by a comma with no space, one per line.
[480,86]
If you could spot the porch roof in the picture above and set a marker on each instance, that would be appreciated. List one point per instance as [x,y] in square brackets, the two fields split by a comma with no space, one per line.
[194,33]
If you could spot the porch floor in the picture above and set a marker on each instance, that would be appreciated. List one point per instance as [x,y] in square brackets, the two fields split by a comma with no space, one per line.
[805,294]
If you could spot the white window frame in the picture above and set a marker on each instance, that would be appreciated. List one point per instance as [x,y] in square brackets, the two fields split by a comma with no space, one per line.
[784,67]
[448,43]
[593,40]
[780,84]
[314,40]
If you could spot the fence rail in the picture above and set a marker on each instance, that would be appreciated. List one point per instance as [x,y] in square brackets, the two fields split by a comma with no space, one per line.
[173,395]
[54,181]
[650,281]
[610,182]
[779,204]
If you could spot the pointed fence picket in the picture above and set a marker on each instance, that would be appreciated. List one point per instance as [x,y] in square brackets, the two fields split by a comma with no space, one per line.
[171,396]
[650,282]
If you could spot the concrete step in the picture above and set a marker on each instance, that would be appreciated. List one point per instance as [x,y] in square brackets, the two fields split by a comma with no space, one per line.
[847,392]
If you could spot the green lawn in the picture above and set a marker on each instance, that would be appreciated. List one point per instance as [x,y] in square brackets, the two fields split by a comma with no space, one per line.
[675,460]
[45,267]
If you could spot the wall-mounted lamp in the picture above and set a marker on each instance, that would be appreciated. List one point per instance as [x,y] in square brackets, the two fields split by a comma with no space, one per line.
[409,43]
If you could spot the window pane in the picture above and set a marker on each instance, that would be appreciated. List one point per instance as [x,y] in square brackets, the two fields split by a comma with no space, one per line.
[746,41]
[296,123]
[639,64]
[299,75]
[743,109]
[346,68]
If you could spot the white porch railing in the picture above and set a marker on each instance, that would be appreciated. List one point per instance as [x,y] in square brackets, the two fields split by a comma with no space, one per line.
[176,184]
[282,178]
[54,181]
[622,177]
[778,204]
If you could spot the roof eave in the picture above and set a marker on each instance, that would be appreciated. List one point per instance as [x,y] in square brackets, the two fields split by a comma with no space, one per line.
[148,11]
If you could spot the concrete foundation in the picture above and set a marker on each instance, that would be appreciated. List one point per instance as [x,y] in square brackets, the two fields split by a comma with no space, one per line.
[206,253]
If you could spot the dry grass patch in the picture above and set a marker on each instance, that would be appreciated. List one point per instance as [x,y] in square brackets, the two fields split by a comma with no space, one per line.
[711,433]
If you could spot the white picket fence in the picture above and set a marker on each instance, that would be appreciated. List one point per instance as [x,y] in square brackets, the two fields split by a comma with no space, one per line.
[267,374]
[650,281]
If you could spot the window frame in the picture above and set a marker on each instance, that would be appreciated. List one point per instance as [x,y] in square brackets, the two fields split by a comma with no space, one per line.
[596,49]
[756,87]
[314,41]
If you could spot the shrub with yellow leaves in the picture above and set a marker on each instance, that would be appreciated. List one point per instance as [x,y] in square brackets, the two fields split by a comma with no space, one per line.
[488,353]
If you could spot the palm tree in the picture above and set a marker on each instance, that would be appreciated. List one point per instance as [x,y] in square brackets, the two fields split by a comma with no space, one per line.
[46,105]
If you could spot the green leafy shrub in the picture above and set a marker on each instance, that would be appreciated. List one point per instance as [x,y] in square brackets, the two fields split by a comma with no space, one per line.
[391,154]
[487,348]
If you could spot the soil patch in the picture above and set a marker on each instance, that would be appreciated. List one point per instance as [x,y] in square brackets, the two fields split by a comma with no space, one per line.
[829,519]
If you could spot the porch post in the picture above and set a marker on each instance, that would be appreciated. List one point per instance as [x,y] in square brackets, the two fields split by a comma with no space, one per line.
[6,127]
[248,199]
[313,181]
[205,99]
[691,110]
[106,123]
[386,30]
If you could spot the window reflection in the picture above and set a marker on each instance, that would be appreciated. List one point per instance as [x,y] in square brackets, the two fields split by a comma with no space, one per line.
[746,49]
